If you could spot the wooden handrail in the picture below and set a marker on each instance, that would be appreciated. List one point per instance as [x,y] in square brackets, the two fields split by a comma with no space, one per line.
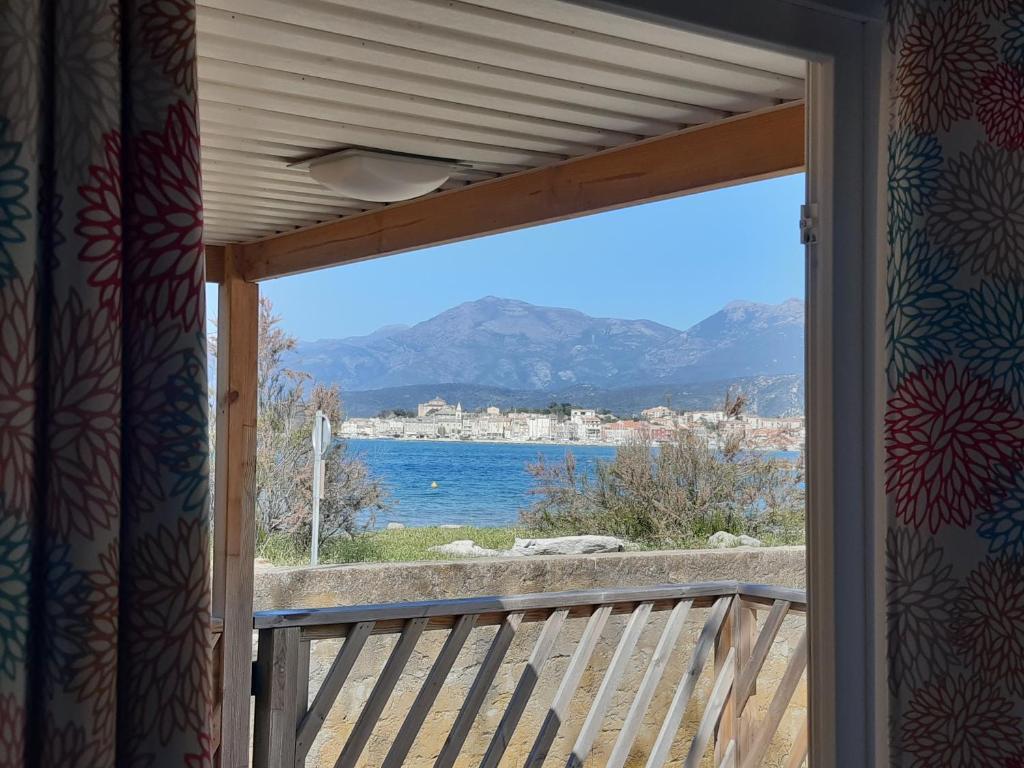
[287,722]
[351,614]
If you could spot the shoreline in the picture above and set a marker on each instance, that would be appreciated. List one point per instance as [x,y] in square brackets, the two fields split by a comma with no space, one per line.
[578,443]
[448,440]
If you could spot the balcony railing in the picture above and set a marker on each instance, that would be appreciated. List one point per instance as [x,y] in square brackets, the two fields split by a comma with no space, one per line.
[741,624]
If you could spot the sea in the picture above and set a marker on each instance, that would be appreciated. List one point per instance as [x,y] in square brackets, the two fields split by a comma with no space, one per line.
[464,483]
[461,483]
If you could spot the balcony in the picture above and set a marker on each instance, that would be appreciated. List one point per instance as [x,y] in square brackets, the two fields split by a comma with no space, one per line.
[447,690]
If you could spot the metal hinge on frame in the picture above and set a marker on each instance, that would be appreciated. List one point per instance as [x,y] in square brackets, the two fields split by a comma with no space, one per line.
[808,223]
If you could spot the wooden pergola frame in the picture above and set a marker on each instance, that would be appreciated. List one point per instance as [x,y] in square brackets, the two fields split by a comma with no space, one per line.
[734,151]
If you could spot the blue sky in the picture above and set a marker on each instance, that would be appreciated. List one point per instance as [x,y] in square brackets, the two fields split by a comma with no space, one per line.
[674,262]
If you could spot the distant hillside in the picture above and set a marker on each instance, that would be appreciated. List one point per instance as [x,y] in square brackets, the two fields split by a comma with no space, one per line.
[768,396]
[513,345]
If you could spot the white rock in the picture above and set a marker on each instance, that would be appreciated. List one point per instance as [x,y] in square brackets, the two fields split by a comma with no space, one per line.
[451,525]
[465,548]
[750,541]
[395,527]
[723,540]
[568,545]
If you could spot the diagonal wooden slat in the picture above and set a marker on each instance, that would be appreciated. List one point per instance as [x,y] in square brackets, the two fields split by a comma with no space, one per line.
[729,756]
[386,681]
[712,710]
[428,692]
[567,688]
[752,667]
[634,718]
[330,688]
[478,691]
[798,753]
[609,685]
[670,726]
[779,703]
[524,688]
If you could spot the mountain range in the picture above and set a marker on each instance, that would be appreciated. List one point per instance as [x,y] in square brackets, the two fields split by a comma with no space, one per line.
[514,354]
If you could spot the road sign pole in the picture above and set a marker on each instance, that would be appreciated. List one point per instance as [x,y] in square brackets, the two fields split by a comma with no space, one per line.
[314,547]
[321,442]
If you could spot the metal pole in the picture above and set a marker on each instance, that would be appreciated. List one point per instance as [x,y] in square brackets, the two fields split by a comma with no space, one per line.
[314,547]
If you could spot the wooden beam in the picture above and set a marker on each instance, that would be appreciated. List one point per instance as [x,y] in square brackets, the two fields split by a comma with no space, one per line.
[740,149]
[214,263]
[234,528]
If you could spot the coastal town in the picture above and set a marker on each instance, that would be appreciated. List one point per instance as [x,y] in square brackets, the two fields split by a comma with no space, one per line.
[439,420]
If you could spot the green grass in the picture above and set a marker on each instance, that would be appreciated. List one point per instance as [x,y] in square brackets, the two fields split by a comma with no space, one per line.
[404,545]
[412,544]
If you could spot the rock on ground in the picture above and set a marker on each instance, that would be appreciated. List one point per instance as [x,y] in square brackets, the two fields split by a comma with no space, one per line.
[568,545]
[562,545]
[395,527]
[465,548]
[726,540]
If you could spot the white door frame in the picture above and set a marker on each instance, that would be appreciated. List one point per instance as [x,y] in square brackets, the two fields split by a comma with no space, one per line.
[845,523]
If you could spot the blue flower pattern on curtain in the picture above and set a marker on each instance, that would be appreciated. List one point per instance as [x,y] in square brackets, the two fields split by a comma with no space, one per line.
[104,540]
[954,419]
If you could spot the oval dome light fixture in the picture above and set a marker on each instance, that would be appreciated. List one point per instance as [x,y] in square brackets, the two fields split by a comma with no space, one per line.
[378,177]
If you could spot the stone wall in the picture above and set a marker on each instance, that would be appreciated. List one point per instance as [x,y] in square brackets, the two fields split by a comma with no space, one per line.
[377,583]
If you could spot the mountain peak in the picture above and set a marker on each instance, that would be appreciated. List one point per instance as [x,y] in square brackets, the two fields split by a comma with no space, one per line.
[502,342]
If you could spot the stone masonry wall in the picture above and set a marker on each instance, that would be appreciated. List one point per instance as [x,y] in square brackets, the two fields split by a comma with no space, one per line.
[389,582]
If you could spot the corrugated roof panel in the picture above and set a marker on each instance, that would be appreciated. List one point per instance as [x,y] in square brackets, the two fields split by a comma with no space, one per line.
[496,86]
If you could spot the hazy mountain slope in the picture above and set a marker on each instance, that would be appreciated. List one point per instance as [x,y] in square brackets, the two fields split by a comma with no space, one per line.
[514,345]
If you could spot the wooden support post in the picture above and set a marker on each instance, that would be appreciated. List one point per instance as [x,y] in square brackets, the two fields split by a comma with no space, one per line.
[744,633]
[724,643]
[234,526]
[278,667]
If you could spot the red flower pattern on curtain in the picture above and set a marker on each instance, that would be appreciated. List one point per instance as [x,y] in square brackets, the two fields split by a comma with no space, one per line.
[954,417]
[103,422]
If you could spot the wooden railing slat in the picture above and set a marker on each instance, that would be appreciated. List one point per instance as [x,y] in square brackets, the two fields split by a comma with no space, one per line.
[609,685]
[712,710]
[274,732]
[559,708]
[478,691]
[330,688]
[662,653]
[681,699]
[751,667]
[798,752]
[428,691]
[524,689]
[729,756]
[779,703]
[356,742]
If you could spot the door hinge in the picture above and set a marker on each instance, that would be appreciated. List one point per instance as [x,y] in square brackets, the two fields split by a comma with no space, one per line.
[808,223]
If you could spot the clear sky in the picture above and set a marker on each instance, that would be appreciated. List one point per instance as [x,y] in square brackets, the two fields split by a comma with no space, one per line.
[674,262]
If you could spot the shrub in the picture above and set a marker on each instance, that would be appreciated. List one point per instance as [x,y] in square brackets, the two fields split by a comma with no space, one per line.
[676,494]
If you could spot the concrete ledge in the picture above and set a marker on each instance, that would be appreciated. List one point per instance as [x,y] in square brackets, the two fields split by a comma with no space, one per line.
[354,584]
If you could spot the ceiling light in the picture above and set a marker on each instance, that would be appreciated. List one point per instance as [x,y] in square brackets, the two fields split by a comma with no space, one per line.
[378,176]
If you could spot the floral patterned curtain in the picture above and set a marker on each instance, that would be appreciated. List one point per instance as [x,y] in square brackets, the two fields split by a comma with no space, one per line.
[954,421]
[104,604]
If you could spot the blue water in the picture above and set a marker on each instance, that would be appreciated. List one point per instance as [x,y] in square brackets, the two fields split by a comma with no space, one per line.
[482,484]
